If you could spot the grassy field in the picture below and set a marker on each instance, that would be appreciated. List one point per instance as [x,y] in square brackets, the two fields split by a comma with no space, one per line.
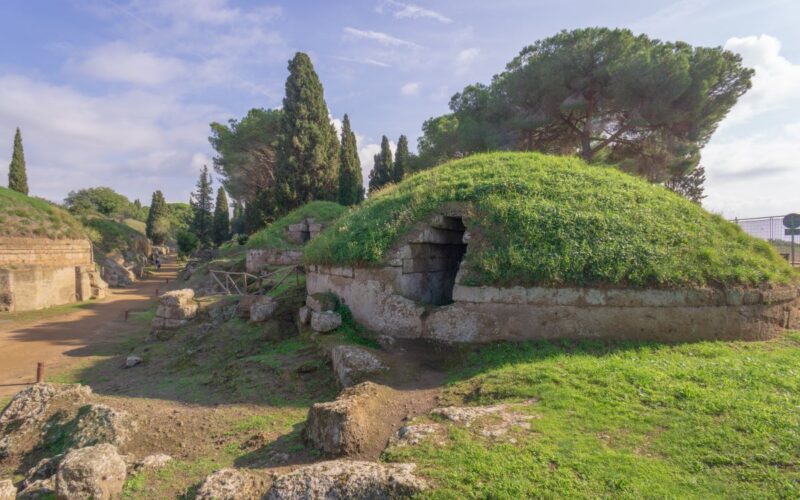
[112,236]
[24,216]
[705,420]
[274,235]
[541,219]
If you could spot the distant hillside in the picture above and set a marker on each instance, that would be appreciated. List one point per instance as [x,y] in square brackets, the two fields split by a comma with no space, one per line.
[23,216]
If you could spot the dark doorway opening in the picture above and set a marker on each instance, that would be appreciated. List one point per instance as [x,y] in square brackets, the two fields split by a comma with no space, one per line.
[435,260]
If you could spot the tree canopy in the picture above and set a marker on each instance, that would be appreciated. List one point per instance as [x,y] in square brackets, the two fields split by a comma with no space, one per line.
[157,226]
[17,175]
[202,206]
[103,200]
[605,95]
[221,230]
[308,156]
[383,168]
[351,181]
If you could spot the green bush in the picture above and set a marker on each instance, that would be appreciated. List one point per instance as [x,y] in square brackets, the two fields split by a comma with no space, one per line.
[548,220]
[187,243]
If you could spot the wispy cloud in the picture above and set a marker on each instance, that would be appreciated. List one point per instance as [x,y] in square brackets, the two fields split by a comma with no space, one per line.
[366,60]
[119,62]
[402,10]
[377,36]
[465,58]
[410,88]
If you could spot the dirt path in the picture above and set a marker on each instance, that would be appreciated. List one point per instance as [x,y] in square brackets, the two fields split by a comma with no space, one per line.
[64,340]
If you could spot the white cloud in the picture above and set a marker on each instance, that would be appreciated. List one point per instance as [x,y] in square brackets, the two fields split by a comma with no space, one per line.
[751,161]
[365,60]
[377,36]
[119,62]
[465,58]
[411,11]
[776,83]
[134,141]
[410,88]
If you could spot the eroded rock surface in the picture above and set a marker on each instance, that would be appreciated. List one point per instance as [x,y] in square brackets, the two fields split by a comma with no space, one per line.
[346,425]
[354,364]
[96,472]
[347,479]
[324,322]
[175,309]
[7,490]
[230,484]
[262,309]
[321,302]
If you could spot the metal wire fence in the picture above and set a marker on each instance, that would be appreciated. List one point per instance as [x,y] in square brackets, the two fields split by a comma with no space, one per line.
[771,228]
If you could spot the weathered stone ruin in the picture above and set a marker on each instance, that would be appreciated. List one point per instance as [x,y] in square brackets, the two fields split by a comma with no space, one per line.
[175,310]
[37,272]
[299,234]
[419,291]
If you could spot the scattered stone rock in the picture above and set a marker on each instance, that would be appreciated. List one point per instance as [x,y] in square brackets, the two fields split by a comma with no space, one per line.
[30,405]
[222,311]
[7,490]
[40,489]
[414,434]
[491,421]
[96,472]
[321,302]
[244,305]
[230,484]
[353,364]
[157,461]
[347,479]
[262,309]
[304,314]
[175,309]
[44,470]
[323,322]
[345,425]
[97,423]
[132,361]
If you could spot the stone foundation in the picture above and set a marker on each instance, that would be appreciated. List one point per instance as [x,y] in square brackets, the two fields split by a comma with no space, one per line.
[260,258]
[36,273]
[379,300]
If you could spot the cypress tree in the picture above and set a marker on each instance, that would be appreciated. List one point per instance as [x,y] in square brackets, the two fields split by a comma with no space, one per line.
[308,153]
[157,213]
[17,177]
[222,221]
[381,173]
[202,206]
[237,222]
[351,182]
[402,160]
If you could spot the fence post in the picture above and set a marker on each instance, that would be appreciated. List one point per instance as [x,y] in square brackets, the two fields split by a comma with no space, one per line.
[39,372]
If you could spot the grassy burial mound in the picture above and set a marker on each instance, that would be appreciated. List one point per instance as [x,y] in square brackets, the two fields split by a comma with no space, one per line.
[276,235]
[22,216]
[111,236]
[538,220]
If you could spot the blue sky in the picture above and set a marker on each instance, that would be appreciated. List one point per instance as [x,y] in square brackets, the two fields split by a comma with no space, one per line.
[120,92]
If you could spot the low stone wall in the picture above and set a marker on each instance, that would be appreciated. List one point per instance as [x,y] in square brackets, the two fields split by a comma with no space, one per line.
[36,273]
[260,258]
[44,252]
[484,314]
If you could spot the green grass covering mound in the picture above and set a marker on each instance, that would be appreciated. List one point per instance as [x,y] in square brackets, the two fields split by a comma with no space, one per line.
[22,216]
[274,235]
[112,236]
[547,220]
[630,420]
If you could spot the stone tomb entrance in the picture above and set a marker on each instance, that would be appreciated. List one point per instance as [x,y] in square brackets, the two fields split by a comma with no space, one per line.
[431,259]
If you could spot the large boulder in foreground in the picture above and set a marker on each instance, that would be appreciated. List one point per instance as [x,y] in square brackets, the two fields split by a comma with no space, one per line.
[353,364]
[175,309]
[347,479]
[350,423]
[97,472]
[230,484]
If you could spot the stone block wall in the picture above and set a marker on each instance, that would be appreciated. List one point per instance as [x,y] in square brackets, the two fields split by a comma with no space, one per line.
[484,314]
[36,272]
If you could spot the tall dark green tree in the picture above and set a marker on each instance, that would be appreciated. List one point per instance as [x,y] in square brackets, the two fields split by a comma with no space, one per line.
[157,224]
[606,95]
[237,221]
[202,206]
[308,155]
[402,160]
[17,175]
[221,230]
[351,182]
[381,173]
